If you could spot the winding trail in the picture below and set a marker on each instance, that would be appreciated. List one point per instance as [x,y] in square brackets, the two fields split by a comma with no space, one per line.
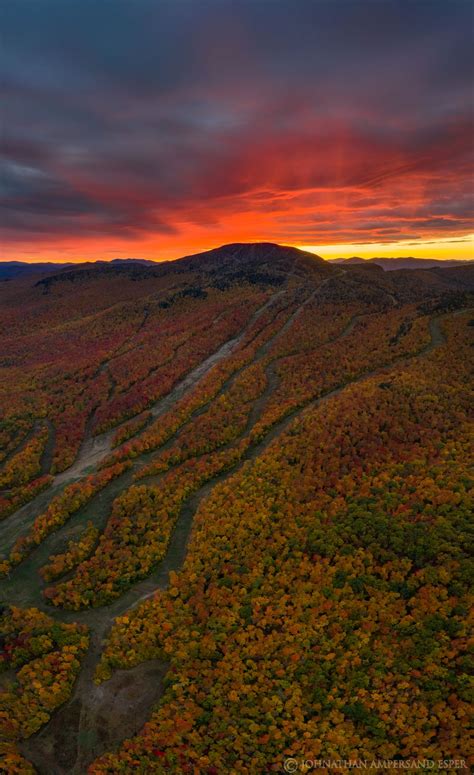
[48,452]
[96,448]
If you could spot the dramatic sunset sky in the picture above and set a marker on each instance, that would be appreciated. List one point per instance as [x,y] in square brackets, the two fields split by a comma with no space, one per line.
[157,128]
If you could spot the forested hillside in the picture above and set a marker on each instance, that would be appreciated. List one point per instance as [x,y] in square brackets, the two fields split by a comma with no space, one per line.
[235,502]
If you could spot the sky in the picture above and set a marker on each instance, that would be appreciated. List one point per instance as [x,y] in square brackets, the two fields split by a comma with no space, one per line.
[155,129]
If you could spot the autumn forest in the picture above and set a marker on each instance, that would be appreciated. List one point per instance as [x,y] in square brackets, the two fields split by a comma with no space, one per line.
[235,513]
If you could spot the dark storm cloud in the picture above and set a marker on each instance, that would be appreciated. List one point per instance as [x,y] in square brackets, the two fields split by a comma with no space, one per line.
[136,117]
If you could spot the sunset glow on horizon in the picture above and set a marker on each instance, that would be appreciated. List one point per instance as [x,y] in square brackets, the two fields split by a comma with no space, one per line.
[446,249]
[343,126]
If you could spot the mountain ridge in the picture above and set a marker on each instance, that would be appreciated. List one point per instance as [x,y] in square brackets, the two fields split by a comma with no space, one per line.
[236,253]
[402,262]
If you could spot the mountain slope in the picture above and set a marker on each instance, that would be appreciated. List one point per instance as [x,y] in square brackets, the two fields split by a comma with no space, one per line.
[237,483]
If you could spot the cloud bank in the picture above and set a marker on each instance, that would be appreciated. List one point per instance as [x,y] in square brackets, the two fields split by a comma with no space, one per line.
[182,124]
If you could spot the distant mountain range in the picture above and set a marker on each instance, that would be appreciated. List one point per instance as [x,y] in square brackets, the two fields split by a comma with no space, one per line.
[11,269]
[409,262]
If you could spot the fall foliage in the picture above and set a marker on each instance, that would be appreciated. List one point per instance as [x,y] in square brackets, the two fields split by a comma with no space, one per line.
[325,590]
[46,658]
[304,434]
